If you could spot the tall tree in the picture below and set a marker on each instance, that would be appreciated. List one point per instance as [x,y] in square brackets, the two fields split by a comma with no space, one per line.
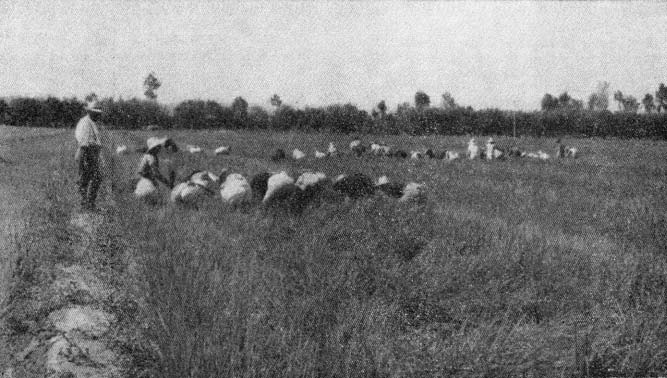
[648,103]
[91,97]
[630,104]
[276,101]
[592,101]
[448,102]
[618,97]
[600,99]
[564,100]
[661,98]
[382,108]
[575,104]
[4,110]
[151,84]
[240,108]
[549,102]
[403,108]
[422,100]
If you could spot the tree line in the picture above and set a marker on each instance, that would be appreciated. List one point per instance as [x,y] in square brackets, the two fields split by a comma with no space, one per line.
[599,101]
[560,115]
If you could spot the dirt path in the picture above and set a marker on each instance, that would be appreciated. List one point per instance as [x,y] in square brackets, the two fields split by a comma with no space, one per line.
[77,337]
[80,348]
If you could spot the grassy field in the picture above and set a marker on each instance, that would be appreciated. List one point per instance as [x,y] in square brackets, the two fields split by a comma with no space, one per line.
[20,152]
[39,240]
[29,162]
[511,268]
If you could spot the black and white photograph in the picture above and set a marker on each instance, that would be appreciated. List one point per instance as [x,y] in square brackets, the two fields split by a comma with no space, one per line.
[334,189]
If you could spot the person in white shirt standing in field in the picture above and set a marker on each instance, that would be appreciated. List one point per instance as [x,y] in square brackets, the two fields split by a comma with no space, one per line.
[91,142]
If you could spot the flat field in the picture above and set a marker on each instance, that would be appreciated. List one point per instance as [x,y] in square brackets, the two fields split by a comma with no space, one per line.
[514,267]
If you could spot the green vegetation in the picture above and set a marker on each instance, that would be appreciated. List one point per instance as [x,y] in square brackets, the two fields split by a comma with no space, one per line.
[41,200]
[512,267]
[559,116]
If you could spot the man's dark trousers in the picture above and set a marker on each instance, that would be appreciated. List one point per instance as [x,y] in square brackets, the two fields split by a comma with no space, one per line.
[89,175]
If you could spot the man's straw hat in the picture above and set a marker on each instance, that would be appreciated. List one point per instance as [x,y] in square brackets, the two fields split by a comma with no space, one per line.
[93,108]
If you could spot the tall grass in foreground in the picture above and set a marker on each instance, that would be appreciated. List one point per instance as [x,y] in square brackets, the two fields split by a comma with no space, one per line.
[9,233]
[374,288]
[42,236]
[515,268]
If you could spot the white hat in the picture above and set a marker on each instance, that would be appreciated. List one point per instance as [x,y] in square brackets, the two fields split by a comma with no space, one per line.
[92,107]
[153,142]
[201,178]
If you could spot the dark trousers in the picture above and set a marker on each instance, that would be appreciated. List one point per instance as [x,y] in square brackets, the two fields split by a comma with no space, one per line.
[89,174]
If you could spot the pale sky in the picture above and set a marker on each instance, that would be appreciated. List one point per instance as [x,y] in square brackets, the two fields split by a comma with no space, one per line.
[486,54]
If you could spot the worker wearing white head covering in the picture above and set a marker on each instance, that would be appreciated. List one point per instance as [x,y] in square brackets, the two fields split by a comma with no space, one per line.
[490,148]
[149,171]
[90,140]
[149,166]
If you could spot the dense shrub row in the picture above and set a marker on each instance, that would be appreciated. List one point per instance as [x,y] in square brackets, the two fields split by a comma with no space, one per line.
[48,112]
[347,118]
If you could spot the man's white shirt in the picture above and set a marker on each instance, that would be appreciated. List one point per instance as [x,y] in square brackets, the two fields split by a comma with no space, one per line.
[87,133]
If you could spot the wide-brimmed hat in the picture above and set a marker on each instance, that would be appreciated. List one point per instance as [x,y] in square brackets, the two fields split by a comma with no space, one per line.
[93,108]
[153,142]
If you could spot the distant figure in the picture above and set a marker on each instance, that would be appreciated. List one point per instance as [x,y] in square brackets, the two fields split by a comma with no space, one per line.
[490,147]
[355,186]
[400,154]
[473,150]
[357,148]
[310,179]
[452,155]
[413,192]
[380,149]
[297,154]
[560,149]
[197,187]
[222,150]
[275,182]
[278,155]
[332,149]
[416,155]
[391,189]
[235,189]
[515,152]
[193,149]
[91,140]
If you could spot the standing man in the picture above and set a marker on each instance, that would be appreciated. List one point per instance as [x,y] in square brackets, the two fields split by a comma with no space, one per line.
[90,143]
